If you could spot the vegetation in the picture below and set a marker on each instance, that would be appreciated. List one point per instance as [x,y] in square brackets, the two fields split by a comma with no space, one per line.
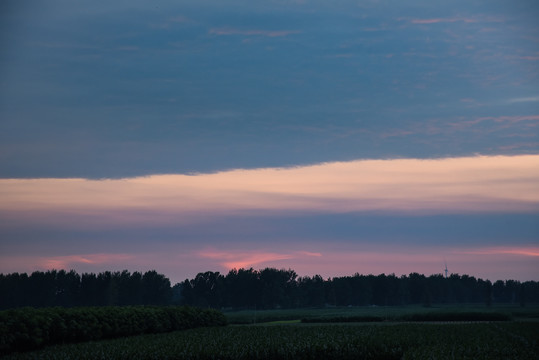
[508,340]
[438,317]
[444,313]
[27,328]
[251,289]
[68,289]
[274,289]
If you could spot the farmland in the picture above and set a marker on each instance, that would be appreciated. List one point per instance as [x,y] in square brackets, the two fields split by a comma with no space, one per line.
[378,313]
[286,338]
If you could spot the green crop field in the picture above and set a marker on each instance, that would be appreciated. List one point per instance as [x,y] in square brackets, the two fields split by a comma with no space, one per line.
[510,340]
[382,313]
[285,337]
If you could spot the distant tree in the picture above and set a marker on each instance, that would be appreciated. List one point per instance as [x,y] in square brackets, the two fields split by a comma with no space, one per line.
[89,292]
[156,289]
[522,295]
[417,287]
[310,291]
[277,288]
[43,285]
[242,288]
[67,288]
[207,289]
[488,293]
[247,288]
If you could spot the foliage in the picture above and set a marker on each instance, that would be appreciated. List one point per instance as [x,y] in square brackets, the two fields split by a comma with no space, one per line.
[28,328]
[61,288]
[256,289]
[312,341]
[275,289]
[453,312]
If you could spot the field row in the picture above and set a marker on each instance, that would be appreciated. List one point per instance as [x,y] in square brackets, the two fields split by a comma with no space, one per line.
[507,340]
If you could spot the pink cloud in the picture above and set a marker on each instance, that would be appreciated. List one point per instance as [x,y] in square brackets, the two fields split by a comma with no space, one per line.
[308,253]
[86,262]
[341,259]
[176,261]
[71,261]
[523,251]
[328,260]
[414,186]
[247,259]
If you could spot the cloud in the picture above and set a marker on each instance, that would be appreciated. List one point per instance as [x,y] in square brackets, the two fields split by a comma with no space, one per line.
[468,20]
[329,260]
[450,185]
[337,260]
[501,120]
[504,250]
[88,261]
[247,259]
[441,20]
[524,99]
[268,33]
[70,261]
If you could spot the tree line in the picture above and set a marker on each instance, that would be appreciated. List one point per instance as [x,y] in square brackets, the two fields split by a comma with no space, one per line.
[272,288]
[69,289]
[268,288]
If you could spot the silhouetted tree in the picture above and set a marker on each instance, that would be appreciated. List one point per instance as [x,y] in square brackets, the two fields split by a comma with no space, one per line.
[247,288]
[156,289]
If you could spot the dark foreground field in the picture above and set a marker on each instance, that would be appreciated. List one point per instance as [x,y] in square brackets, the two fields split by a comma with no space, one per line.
[288,338]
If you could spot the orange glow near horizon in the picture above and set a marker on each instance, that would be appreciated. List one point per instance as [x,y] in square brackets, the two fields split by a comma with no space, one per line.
[468,184]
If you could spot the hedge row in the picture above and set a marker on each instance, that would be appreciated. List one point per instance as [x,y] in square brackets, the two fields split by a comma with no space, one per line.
[28,328]
[419,317]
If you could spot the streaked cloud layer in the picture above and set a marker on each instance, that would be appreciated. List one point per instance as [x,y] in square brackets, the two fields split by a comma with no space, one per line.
[98,90]
[471,184]
[203,135]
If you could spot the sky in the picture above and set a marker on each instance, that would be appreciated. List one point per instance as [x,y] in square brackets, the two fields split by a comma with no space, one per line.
[330,137]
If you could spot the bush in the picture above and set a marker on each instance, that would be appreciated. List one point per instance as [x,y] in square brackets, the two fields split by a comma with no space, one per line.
[26,329]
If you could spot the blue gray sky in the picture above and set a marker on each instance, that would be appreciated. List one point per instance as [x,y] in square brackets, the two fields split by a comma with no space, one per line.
[98,94]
